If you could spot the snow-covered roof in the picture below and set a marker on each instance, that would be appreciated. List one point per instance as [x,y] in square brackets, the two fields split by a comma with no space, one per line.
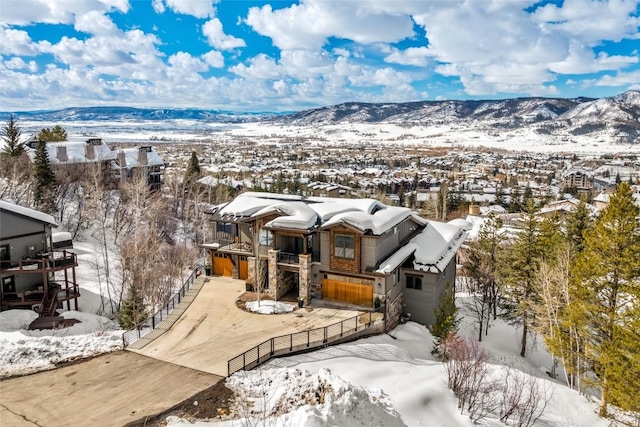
[437,244]
[297,215]
[433,248]
[306,212]
[28,212]
[131,156]
[378,222]
[65,152]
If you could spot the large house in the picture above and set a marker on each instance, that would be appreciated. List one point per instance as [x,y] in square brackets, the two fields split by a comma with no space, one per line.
[358,252]
[35,272]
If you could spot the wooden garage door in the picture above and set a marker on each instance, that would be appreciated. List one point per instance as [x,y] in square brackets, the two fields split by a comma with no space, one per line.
[222,265]
[351,293]
[243,267]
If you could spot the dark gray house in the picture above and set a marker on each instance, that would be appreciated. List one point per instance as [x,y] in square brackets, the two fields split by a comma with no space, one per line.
[34,274]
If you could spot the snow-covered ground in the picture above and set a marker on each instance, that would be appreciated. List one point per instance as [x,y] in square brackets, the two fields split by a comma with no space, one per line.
[25,352]
[454,136]
[269,307]
[395,378]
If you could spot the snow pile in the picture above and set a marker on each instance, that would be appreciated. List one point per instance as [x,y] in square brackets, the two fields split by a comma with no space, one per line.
[301,398]
[269,307]
[25,352]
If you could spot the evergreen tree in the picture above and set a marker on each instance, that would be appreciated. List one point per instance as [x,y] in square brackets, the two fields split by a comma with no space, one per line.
[501,199]
[446,323]
[52,135]
[11,137]
[518,277]
[193,168]
[133,309]
[576,223]
[607,293]
[481,267]
[43,190]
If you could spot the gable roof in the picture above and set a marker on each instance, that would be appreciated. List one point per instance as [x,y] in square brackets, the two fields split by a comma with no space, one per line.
[27,212]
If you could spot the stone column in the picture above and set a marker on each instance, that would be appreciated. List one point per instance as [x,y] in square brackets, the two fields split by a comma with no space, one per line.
[273,273]
[235,269]
[251,272]
[304,282]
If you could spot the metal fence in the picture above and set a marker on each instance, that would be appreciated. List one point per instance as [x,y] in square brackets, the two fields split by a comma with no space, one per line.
[300,341]
[150,323]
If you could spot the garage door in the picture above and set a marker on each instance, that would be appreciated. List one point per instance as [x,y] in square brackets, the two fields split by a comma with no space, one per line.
[243,267]
[222,265]
[351,293]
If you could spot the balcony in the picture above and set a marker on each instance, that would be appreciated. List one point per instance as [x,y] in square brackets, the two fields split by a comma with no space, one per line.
[229,246]
[288,258]
[45,262]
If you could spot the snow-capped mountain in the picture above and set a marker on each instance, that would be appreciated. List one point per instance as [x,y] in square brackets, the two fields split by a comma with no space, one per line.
[125,114]
[616,118]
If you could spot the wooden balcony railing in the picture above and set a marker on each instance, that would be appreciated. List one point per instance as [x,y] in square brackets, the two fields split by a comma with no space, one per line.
[45,262]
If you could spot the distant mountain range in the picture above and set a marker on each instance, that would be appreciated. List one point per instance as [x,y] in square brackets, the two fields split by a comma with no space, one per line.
[127,114]
[615,118]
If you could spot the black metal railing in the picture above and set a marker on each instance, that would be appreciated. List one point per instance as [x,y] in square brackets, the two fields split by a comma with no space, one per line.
[150,323]
[288,258]
[301,341]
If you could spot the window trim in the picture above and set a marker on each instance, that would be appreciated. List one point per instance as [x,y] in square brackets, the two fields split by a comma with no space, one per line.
[344,238]
[413,281]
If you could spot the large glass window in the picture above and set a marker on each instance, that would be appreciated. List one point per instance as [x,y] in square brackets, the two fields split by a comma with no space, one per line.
[265,237]
[223,227]
[344,246]
[414,282]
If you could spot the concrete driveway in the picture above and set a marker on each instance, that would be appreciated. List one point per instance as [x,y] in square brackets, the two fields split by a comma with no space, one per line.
[110,390]
[214,329]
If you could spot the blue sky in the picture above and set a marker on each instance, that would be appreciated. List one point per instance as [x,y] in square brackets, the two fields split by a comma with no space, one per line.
[245,55]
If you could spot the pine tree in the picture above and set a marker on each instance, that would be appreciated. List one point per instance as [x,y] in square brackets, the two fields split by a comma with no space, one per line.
[576,223]
[11,137]
[43,189]
[607,291]
[193,168]
[518,277]
[133,309]
[481,267]
[52,135]
[446,323]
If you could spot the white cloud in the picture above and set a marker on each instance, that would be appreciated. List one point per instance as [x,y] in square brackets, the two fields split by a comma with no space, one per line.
[582,60]
[158,6]
[619,79]
[308,25]
[592,20]
[418,56]
[185,62]
[214,59]
[95,23]
[197,8]
[26,12]
[341,52]
[216,37]
[260,67]
[16,42]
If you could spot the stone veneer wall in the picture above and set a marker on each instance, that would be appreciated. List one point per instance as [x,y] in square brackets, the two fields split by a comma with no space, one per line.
[394,311]
[349,265]
[235,271]
[273,273]
[251,272]
[304,278]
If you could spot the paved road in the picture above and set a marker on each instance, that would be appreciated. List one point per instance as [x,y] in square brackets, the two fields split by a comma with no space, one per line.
[214,329]
[109,390]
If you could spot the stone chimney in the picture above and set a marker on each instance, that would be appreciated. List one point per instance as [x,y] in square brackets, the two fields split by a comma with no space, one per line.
[61,154]
[142,156]
[474,210]
[89,151]
[122,162]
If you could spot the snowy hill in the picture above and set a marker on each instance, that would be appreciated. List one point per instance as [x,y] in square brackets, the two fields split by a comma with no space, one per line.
[616,118]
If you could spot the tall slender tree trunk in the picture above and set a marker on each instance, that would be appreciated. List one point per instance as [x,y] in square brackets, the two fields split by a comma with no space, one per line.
[604,398]
[525,330]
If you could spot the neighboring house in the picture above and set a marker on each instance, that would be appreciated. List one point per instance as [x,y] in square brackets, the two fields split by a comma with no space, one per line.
[601,201]
[562,207]
[357,252]
[144,160]
[35,273]
[76,153]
